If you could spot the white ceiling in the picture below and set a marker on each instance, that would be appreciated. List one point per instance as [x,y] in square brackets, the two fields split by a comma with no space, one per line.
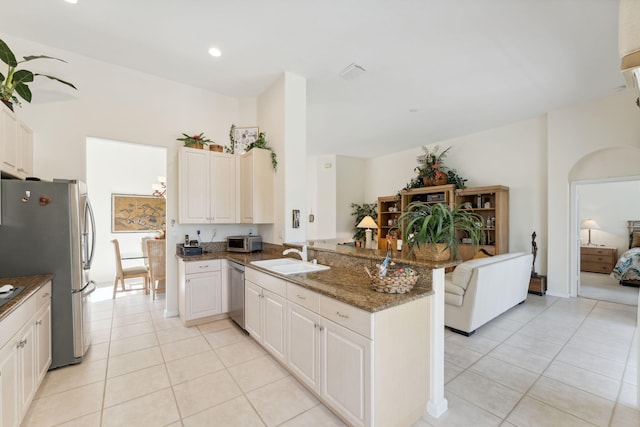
[464,65]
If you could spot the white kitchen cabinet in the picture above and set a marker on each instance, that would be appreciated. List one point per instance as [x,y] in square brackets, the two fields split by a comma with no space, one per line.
[207,187]
[9,391]
[25,150]
[256,187]
[370,368]
[43,342]
[9,141]
[26,348]
[200,293]
[303,355]
[346,372]
[16,145]
[19,350]
[266,311]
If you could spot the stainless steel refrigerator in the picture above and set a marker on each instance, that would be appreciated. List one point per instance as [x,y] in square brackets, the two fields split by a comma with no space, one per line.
[48,227]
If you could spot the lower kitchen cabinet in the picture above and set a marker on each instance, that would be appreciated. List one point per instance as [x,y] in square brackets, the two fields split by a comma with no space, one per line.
[333,347]
[265,315]
[201,297]
[20,369]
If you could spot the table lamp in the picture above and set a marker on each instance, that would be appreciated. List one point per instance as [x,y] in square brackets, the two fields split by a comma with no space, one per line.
[589,224]
[368,223]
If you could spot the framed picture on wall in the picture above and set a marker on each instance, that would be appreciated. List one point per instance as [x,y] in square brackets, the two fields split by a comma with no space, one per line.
[244,137]
[137,214]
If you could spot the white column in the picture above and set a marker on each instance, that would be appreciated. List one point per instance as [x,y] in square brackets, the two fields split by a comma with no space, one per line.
[437,404]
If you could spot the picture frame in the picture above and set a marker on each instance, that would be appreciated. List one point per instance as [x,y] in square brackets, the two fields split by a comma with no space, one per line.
[131,213]
[243,137]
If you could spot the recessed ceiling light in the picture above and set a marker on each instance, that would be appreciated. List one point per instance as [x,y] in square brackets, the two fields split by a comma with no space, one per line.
[71,1]
[214,51]
[413,110]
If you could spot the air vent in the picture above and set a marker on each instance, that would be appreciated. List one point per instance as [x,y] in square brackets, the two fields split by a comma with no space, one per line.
[352,71]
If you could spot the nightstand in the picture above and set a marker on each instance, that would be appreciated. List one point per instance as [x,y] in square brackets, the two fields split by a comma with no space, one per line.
[598,259]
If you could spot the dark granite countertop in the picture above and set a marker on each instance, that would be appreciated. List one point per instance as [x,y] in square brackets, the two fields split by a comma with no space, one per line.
[349,285]
[31,284]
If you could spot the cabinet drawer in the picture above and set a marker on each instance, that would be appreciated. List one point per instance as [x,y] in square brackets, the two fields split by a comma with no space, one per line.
[43,296]
[191,267]
[350,317]
[304,297]
[609,252]
[596,267]
[271,283]
[595,258]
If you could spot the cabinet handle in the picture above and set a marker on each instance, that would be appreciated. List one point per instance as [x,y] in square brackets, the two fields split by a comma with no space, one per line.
[39,322]
[321,328]
[345,316]
[45,295]
[301,297]
[203,266]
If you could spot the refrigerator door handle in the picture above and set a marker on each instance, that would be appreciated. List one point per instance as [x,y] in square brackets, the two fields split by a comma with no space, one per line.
[85,235]
[87,289]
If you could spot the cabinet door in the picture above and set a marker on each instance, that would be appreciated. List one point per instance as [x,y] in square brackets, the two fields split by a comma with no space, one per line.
[346,372]
[9,385]
[193,194]
[246,188]
[303,351]
[274,324]
[27,366]
[222,199]
[43,342]
[25,150]
[8,141]
[253,310]
[203,295]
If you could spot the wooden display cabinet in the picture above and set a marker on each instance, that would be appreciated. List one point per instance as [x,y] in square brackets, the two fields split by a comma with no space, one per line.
[492,204]
[388,213]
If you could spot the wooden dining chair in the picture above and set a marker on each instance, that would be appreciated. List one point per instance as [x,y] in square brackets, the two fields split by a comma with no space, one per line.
[122,274]
[156,250]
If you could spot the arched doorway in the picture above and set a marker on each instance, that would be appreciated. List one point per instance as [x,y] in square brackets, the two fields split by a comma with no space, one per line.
[615,164]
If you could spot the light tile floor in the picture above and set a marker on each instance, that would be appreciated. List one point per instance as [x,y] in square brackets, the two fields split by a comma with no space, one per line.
[548,362]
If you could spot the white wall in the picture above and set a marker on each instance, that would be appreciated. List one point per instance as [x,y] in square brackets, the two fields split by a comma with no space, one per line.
[350,174]
[611,205]
[321,176]
[124,105]
[282,116]
[138,167]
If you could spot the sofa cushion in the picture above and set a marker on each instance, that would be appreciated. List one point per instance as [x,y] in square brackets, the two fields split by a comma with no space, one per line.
[462,273]
[453,289]
[452,299]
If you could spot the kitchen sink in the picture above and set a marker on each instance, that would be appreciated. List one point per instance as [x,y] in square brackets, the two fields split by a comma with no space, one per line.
[290,266]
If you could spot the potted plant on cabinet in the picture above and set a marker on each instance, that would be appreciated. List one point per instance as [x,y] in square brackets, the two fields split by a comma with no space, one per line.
[195,141]
[431,230]
[15,82]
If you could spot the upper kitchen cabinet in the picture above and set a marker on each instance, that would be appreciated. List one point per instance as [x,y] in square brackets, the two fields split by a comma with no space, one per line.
[256,187]
[16,145]
[207,187]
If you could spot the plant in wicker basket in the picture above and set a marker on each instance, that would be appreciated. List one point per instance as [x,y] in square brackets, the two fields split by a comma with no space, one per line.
[431,230]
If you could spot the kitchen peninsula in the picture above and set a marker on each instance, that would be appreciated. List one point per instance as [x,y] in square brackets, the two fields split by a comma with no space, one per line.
[375,359]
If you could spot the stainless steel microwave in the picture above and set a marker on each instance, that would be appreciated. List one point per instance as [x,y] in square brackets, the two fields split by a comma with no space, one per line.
[249,243]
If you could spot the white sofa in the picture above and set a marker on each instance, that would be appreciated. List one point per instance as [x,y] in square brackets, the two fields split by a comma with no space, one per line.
[481,289]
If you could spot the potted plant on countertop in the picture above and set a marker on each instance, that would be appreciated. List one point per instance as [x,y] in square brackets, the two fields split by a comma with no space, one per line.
[15,82]
[431,230]
[195,141]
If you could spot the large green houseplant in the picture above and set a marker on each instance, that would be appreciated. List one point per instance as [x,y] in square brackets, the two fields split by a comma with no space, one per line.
[432,231]
[15,82]
[359,212]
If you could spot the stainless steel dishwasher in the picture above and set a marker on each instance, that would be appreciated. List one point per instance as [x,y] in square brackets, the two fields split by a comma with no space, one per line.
[236,293]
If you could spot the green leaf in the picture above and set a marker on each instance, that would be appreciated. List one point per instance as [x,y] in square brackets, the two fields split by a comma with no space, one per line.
[22,76]
[24,91]
[58,80]
[6,55]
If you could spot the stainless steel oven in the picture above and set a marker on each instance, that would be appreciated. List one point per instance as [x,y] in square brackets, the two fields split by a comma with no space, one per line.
[236,293]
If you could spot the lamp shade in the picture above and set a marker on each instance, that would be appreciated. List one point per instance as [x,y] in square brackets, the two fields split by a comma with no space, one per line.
[367,222]
[589,224]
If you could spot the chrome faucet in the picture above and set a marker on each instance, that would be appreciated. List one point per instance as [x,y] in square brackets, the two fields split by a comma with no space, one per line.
[302,253]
